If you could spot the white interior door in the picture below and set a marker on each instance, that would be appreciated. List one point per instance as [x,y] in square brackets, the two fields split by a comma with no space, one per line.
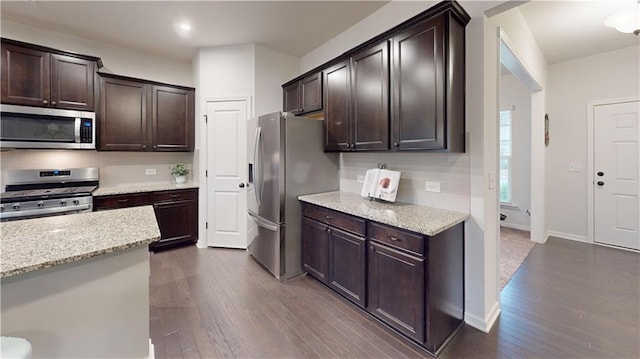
[616,185]
[227,173]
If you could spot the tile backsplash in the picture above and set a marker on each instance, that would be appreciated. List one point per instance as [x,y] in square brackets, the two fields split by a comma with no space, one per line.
[115,167]
[451,171]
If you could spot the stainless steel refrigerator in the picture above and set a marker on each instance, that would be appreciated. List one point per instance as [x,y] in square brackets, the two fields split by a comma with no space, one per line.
[287,161]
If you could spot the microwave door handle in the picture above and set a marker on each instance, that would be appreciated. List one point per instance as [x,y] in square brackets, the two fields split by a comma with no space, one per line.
[77,130]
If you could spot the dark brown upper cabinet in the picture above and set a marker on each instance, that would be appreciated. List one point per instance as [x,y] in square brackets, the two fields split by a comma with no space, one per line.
[428,86]
[33,75]
[402,90]
[357,102]
[138,115]
[304,95]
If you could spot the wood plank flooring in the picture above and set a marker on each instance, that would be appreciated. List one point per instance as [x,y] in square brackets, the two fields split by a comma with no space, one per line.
[567,300]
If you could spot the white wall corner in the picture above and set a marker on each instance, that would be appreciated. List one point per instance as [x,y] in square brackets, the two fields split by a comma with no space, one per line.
[484,324]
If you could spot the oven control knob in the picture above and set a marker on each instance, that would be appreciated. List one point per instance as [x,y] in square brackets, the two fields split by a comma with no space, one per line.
[16,206]
[63,203]
[76,202]
[41,204]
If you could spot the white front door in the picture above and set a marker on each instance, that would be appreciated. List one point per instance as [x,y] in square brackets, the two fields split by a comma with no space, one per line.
[227,173]
[616,185]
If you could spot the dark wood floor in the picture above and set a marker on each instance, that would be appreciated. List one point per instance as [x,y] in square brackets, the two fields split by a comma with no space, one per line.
[567,300]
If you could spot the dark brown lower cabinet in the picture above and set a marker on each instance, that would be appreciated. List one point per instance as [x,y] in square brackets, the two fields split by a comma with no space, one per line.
[396,289]
[411,282]
[347,265]
[177,215]
[315,249]
[176,212]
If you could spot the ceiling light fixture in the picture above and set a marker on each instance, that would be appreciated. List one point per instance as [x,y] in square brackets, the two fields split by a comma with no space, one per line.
[626,20]
[183,29]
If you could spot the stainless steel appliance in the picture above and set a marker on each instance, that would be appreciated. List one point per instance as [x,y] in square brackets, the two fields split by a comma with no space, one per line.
[47,192]
[288,161]
[48,128]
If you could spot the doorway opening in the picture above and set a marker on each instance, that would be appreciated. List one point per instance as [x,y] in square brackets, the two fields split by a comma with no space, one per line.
[519,215]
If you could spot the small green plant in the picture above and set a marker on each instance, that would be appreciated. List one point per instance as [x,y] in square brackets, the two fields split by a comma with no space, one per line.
[180,169]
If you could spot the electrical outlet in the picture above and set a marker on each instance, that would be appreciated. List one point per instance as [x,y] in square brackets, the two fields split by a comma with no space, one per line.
[492,179]
[150,172]
[574,166]
[360,179]
[432,186]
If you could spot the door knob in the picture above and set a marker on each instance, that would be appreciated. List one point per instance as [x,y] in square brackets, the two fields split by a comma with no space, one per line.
[600,183]
[600,174]
[241,185]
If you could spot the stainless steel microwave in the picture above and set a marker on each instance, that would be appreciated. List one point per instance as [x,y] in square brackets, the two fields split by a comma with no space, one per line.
[46,128]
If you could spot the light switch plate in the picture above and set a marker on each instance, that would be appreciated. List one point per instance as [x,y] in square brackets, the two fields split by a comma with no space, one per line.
[360,179]
[574,166]
[492,179]
[432,186]
[150,172]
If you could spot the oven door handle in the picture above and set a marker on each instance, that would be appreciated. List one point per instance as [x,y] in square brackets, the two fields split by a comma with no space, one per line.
[45,211]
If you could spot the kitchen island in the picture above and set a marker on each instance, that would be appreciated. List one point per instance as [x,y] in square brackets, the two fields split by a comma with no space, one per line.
[78,285]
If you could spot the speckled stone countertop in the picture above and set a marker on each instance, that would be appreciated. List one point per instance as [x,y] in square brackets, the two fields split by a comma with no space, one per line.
[420,219]
[33,244]
[142,187]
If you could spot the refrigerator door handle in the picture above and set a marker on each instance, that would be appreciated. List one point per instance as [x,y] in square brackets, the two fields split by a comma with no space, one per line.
[261,222]
[257,167]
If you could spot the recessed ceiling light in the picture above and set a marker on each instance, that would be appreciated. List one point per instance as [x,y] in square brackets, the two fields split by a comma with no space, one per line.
[182,28]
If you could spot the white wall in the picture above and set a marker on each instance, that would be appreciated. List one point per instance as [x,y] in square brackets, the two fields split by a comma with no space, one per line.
[117,59]
[572,84]
[115,167]
[515,96]
[273,68]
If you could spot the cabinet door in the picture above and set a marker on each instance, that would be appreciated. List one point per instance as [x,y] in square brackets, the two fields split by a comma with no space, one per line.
[418,84]
[25,76]
[177,222]
[347,265]
[311,93]
[72,83]
[315,249]
[396,290]
[172,119]
[337,131]
[370,98]
[291,98]
[123,115]
[120,201]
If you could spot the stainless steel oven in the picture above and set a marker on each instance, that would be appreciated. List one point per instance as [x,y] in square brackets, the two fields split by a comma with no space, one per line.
[47,192]
[46,128]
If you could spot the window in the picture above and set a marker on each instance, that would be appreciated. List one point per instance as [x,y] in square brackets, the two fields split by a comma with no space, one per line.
[505,156]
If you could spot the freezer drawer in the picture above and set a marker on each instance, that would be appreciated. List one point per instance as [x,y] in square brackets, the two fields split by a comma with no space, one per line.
[267,247]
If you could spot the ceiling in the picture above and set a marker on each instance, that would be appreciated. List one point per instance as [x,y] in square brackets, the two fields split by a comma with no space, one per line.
[292,27]
[564,29]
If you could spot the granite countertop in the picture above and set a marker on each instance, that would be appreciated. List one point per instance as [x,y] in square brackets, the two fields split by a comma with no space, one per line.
[141,187]
[420,219]
[34,244]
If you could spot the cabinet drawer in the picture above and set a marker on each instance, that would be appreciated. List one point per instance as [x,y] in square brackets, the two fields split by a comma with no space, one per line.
[121,201]
[168,196]
[334,218]
[396,237]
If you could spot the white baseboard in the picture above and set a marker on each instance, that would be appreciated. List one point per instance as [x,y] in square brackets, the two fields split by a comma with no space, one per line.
[570,236]
[152,353]
[521,227]
[486,323]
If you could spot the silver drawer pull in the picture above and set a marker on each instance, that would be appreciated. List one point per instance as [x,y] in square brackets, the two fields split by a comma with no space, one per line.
[394,239]
[328,217]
